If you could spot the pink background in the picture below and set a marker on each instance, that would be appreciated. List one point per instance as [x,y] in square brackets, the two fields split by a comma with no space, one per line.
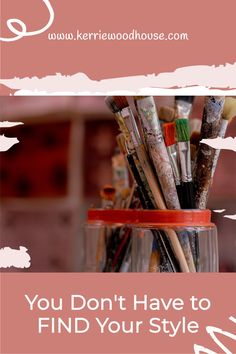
[19,330]
[210,27]
[209,24]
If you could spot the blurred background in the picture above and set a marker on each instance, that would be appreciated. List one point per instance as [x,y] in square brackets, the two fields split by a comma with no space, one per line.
[50,179]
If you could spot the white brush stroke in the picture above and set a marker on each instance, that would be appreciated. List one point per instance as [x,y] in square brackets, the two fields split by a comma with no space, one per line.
[23,29]
[221,143]
[232,217]
[211,330]
[8,256]
[219,211]
[7,143]
[7,124]
[14,258]
[196,80]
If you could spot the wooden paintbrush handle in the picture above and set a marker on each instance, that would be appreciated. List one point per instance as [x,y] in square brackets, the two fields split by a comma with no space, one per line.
[205,157]
[164,172]
[185,244]
[144,161]
[177,249]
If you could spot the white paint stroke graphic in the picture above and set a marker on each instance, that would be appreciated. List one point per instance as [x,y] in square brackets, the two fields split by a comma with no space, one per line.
[14,258]
[232,217]
[6,124]
[10,257]
[211,330]
[196,80]
[23,28]
[219,211]
[221,143]
[7,143]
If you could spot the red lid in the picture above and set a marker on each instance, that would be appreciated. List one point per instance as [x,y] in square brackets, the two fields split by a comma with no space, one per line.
[151,218]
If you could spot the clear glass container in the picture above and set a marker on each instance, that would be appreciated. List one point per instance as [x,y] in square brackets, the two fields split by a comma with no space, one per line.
[151,241]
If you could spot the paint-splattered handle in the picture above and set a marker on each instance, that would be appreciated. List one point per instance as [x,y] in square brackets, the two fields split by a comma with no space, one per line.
[210,129]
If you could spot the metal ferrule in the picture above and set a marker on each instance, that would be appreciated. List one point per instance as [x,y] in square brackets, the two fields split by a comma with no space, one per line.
[173,156]
[185,161]
[183,109]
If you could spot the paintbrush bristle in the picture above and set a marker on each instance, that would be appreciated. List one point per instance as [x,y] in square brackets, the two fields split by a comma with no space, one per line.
[111,104]
[182,129]
[166,113]
[229,110]
[108,192]
[169,133]
[121,102]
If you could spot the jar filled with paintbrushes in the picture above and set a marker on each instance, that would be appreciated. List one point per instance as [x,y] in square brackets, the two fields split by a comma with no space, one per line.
[158,240]
[161,223]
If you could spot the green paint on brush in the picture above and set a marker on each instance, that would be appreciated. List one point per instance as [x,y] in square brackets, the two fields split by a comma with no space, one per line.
[182,129]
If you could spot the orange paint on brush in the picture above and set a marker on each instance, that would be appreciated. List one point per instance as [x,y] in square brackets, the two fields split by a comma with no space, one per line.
[169,133]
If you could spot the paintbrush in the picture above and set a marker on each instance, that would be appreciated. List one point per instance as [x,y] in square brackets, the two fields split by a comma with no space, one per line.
[143,158]
[229,112]
[121,249]
[132,156]
[195,128]
[183,137]
[183,106]
[108,194]
[126,263]
[167,114]
[120,178]
[143,194]
[211,124]
[168,258]
[130,123]
[101,246]
[157,150]
[143,190]
[167,255]
[155,261]
[137,175]
[187,185]
[169,132]
[170,140]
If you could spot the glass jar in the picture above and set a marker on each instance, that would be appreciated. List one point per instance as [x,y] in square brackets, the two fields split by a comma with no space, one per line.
[151,241]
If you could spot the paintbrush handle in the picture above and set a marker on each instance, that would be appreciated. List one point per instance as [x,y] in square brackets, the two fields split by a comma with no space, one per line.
[186,246]
[188,195]
[100,249]
[205,157]
[140,178]
[223,128]
[169,262]
[163,170]
[180,195]
[144,162]
[143,159]
[177,249]
[154,262]
[157,150]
